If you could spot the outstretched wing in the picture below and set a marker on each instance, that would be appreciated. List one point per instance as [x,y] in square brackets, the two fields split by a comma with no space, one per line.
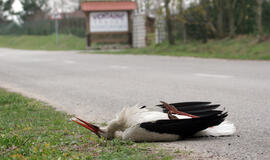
[185,127]
[195,108]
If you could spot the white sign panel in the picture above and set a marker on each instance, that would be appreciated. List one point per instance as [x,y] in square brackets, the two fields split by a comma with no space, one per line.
[108,21]
[56,15]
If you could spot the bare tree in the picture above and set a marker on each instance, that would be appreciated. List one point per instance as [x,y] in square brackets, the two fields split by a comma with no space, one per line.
[31,8]
[220,11]
[231,6]
[64,5]
[205,13]
[169,22]
[259,18]
[4,8]
[181,19]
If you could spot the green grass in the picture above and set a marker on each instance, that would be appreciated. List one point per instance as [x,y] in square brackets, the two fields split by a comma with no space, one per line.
[242,47]
[30,129]
[66,42]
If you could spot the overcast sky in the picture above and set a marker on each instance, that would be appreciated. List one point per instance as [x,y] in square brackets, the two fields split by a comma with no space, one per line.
[63,5]
[16,6]
[55,5]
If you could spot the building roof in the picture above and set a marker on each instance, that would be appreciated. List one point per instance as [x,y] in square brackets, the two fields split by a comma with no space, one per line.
[108,6]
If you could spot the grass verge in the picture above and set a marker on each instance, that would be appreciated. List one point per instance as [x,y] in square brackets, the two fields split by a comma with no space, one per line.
[66,42]
[242,47]
[30,129]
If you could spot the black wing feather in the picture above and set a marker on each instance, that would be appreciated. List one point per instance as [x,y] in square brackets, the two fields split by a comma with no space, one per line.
[185,127]
[187,104]
[194,108]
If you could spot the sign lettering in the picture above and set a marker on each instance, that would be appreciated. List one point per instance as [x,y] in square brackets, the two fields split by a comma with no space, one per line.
[108,21]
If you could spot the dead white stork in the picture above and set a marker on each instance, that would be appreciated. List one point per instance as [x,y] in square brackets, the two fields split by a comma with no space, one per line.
[165,122]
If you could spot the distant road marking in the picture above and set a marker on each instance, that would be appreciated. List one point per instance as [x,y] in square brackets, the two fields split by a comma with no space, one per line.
[69,61]
[212,75]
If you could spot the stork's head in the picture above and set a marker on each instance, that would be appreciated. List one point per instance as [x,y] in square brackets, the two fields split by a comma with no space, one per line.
[93,128]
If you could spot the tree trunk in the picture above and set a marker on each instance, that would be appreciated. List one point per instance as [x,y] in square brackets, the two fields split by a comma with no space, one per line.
[184,33]
[241,21]
[169,23]
[209,26]
[220,18]
[259,18]
[182,20]
[231,7]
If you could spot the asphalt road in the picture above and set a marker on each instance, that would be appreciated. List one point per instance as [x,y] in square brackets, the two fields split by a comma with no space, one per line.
[96,87]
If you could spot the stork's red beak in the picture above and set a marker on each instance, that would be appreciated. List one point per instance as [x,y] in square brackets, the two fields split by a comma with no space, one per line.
[87,125]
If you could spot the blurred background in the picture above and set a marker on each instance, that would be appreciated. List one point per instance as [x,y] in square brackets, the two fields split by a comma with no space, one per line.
[167,21]
[33,17]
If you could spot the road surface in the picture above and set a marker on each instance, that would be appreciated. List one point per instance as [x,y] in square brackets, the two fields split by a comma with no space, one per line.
[96,87]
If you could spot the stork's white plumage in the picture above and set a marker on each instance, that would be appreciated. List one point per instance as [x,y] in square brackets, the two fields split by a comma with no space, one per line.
[173,122]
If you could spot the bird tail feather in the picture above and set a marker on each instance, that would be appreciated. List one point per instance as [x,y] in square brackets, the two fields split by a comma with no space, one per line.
[226,128]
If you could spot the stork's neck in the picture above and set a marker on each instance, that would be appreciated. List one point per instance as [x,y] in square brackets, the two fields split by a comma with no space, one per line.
[113,126]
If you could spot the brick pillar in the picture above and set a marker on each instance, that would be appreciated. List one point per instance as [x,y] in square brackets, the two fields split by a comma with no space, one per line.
[160,30]
[139,31]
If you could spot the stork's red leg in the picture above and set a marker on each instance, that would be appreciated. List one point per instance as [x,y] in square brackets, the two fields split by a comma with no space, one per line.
[176,111]
[171,117]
